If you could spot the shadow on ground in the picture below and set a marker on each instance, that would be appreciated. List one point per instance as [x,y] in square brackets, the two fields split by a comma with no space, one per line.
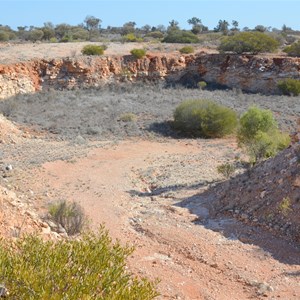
[202,205]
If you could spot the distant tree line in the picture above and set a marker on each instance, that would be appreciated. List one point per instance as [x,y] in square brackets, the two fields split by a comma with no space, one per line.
[90,30]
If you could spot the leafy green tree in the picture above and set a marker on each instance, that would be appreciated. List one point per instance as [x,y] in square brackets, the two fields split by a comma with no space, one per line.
[128,27]
[34,35]
[252,42]
[62,30]
[92,24]
[180,36]
[48,31]
[223,26]
[235,25]
[260,28]
[173,25]
[197,25]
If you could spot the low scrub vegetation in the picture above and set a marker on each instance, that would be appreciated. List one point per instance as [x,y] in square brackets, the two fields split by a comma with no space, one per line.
[289,86]
[138,53]
[226,169]
[131,37]
[187,50]
[69,215]
[88,268]
[251,42]
[259,134]
[202,85]
[204,118]
[92,50]
[180,36]
[293,50]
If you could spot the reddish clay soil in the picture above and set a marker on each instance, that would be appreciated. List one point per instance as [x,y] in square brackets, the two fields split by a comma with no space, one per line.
[115,183]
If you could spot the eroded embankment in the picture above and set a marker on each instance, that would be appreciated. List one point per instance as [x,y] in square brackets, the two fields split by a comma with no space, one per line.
[247,72]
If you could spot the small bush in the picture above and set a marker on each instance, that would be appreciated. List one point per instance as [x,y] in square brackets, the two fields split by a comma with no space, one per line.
[259,134]
[252,42]
[53,40]
[138,53]
[187,50]
[202,85]
[293,50]
[131,37]
[226,169]
[204,118]
[155,34]
[69,215]
[4,36]
[289,87]
[92,50]
[91,267]
[180,36]
[128,117]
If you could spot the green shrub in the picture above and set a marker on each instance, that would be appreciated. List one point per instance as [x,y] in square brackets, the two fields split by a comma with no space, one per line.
[88,268]
[69,215]
[202,85]
[226,169]
[187,50]
[293,50]
[138,53]
[204,118]
[92,50]
[259,135]
[253,42]
[131,37]
[289,87]
[180,36]
[155,34]
[53,40]
[4,36]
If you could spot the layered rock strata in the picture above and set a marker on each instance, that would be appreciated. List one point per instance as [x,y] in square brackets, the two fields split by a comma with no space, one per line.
[247,72]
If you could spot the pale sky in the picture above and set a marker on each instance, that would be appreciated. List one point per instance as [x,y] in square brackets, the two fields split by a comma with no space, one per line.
[117,12]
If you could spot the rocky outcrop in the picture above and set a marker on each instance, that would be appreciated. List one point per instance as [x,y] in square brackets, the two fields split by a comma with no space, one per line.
[247,72]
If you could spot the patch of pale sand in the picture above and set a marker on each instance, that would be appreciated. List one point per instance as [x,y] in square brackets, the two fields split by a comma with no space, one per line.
[12,53]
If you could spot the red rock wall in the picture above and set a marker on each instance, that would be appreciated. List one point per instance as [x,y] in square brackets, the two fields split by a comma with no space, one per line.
[247,72]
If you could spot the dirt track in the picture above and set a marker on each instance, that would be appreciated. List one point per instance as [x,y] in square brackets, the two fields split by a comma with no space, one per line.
[148,193]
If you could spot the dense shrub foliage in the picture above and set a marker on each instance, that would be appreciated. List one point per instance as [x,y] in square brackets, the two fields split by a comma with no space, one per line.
[131,37]
[180,36]
[92,50]
[187,50]
[252,42]
[289,87]
[293,50]
[90,268]
[259,135]
[138,53]
[204,118]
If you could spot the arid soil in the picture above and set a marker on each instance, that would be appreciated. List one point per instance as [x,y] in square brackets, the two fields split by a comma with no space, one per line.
[10,52]
[151,188]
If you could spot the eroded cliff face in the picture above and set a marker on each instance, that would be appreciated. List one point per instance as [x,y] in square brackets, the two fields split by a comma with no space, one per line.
[247,72]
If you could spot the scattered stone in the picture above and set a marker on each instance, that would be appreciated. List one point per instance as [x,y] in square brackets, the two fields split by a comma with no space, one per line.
[3,291]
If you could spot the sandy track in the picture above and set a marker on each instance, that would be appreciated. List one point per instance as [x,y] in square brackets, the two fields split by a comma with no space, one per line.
[194,256]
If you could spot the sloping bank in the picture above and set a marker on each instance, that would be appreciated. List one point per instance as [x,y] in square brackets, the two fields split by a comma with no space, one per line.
[247,72]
